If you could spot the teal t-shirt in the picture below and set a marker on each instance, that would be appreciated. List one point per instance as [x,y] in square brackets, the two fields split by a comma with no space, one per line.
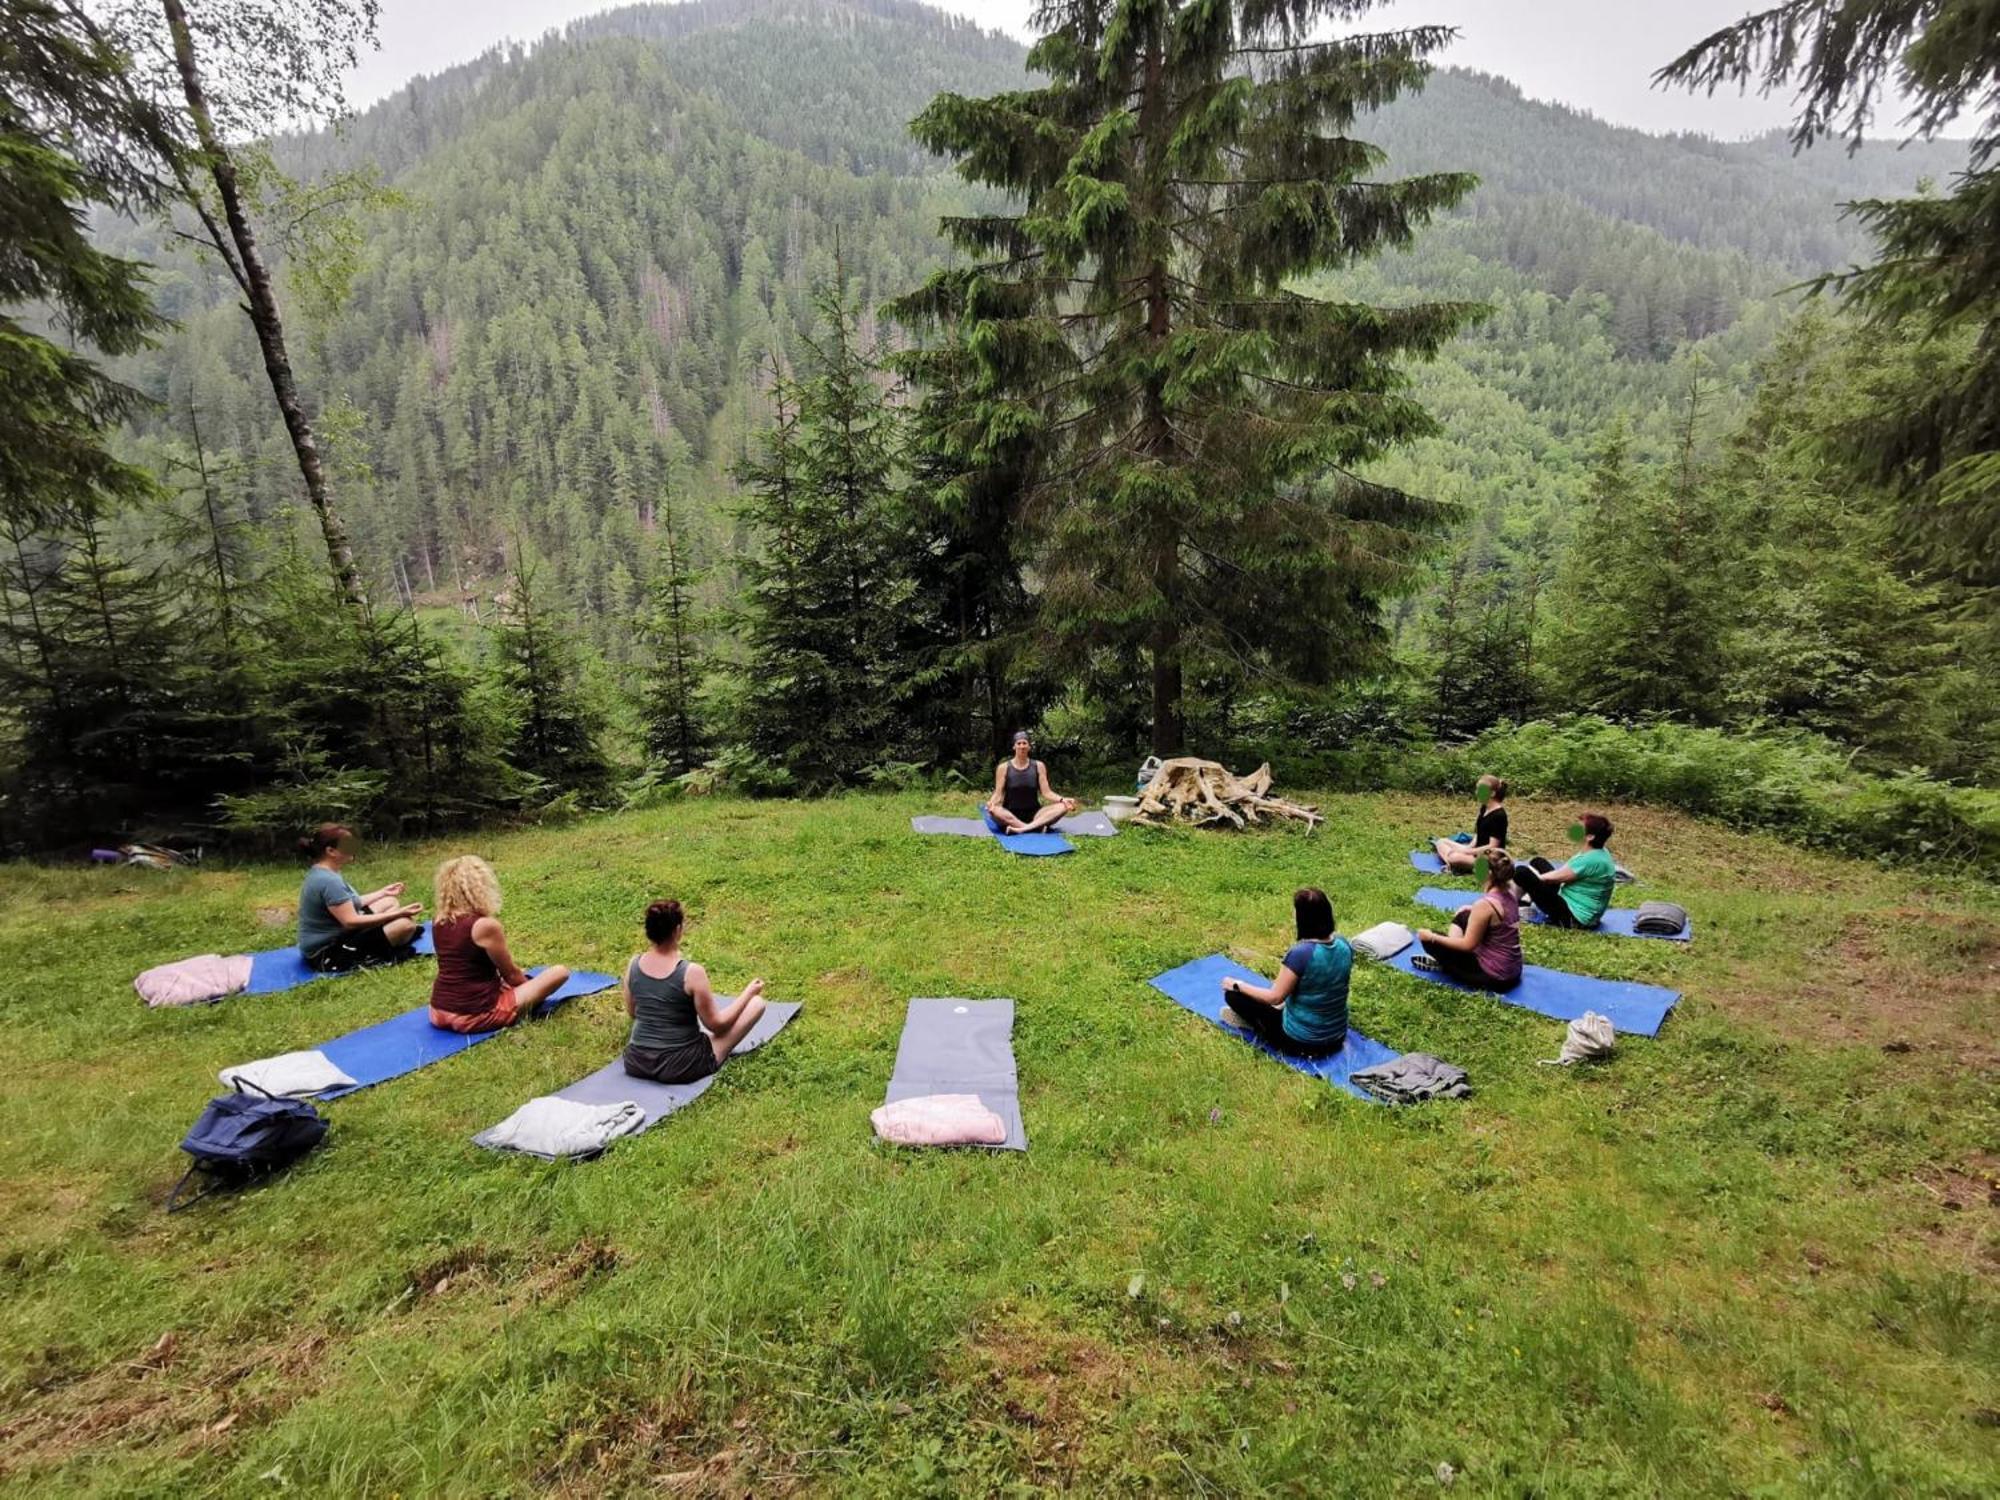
[1590,893]
[317,925]
[1316,1012]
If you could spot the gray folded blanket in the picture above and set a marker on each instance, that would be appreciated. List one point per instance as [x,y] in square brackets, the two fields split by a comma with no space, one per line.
[1411,1079]
[1661,917]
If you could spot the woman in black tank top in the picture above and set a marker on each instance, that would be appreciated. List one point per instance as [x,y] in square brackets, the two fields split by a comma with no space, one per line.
[1022,800]
[1489,830]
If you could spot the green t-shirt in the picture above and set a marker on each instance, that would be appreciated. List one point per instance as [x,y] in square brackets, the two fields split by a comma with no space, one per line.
[1590,893]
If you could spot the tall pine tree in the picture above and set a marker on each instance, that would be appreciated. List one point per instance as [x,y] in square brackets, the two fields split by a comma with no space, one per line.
[1202,419]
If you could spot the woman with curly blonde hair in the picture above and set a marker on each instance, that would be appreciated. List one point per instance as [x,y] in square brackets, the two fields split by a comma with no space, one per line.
[479,986]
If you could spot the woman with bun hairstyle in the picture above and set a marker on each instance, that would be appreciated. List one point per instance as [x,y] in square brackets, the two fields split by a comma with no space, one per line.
[1489,830]
[479,986]
[1482,947]
[338,929]
[670,1002]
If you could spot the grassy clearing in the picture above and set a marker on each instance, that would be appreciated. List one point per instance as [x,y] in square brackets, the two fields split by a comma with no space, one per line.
[1755,1256]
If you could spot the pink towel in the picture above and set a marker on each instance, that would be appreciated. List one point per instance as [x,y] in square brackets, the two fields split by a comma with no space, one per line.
[192,981]
[939,1120]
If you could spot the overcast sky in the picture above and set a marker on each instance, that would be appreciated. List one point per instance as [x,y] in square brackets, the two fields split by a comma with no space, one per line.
[1597,55]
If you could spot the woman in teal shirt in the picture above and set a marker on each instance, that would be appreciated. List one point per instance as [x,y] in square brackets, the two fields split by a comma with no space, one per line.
[1305,1011]
[1576,894]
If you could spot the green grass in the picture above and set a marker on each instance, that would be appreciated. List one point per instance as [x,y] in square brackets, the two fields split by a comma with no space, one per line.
[1728,1261]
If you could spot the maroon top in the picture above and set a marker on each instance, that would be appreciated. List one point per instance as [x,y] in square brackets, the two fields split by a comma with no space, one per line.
[1499,951]
[467,984]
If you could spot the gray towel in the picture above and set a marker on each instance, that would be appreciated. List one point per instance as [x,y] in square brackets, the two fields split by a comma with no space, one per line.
[1411,1079]
[1661,917]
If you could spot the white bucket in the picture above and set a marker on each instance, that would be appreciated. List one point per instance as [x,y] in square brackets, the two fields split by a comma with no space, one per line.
[1118,809]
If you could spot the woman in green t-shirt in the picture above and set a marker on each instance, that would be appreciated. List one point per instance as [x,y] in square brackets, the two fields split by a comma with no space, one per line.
[1578,893]
[1303,1012]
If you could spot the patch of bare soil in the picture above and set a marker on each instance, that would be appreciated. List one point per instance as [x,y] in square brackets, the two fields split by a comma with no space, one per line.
[1050,1389]
[164,1393]
[1960,1211]
[1909,981]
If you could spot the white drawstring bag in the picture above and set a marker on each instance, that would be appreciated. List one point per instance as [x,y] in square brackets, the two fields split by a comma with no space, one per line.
[1591,1038]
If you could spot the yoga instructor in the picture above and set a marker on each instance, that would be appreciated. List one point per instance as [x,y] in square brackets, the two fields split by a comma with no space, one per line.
[1023,801]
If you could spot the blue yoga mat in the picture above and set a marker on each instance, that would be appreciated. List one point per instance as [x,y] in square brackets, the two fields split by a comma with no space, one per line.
[1429,863]
[1617,922]
[404,1043]
[1197,986]
[1636,1008]
[1035,845]
[278,969]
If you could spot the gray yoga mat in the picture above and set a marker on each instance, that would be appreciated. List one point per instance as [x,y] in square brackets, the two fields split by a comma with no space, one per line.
[1089,824]
[611,1084]
[965,828]
[962,1047]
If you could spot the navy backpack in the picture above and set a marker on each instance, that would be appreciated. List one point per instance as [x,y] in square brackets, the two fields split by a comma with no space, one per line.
[242,1137]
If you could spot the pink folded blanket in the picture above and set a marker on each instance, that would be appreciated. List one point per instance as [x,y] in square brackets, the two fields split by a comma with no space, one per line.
[939,1120]
[192,981]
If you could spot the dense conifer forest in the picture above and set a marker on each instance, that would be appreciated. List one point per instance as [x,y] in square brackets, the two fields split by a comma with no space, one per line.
[610,349]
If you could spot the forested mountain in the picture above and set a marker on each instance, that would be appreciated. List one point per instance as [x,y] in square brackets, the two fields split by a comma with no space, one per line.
[544,366]
[606,236]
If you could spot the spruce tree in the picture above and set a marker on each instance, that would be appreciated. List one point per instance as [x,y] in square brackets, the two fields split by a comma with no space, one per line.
[1643,612]
[670,635]
[71,141]
[968,629]
[827,670]
[540,672]
[1203,420]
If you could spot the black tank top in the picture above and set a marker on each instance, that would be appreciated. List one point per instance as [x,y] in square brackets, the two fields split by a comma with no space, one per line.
[1491,827]
[1022,795]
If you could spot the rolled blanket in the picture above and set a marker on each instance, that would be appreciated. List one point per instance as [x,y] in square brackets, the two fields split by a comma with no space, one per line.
[1382,941]
[289,1075]
[939,1120]
[1413,1078]
[194,981]
[1662,917]
[555,1128]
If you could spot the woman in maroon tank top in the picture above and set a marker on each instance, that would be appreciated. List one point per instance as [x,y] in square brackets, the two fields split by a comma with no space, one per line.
[479,986]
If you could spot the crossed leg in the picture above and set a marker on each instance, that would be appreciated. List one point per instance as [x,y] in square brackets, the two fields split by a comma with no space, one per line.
[399,933]
[539,988]
[727,1041]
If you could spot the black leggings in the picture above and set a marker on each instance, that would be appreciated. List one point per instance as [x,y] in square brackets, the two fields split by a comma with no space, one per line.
[1267,1023]
[1548,899]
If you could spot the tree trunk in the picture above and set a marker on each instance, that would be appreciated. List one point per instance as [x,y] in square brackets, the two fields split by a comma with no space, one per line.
[262,305]
[1165,640]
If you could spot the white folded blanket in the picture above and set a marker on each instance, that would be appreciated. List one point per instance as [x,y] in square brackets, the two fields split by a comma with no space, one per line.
[290,1075]
[554,1127]
[193,981]
[939,1120]
[1383,940]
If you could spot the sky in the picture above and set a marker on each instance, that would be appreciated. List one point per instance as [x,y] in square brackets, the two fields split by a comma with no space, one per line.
[1596,55]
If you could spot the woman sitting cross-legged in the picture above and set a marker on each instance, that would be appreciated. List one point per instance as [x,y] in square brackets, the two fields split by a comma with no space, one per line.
[479,987]
[1578,893]
[670,1002]
[1483,946]
[1304,1012]
[339,928]
[1489,830]
[1022,800]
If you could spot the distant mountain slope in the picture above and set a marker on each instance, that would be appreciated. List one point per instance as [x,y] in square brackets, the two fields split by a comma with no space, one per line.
[1754,198]
[610,234]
